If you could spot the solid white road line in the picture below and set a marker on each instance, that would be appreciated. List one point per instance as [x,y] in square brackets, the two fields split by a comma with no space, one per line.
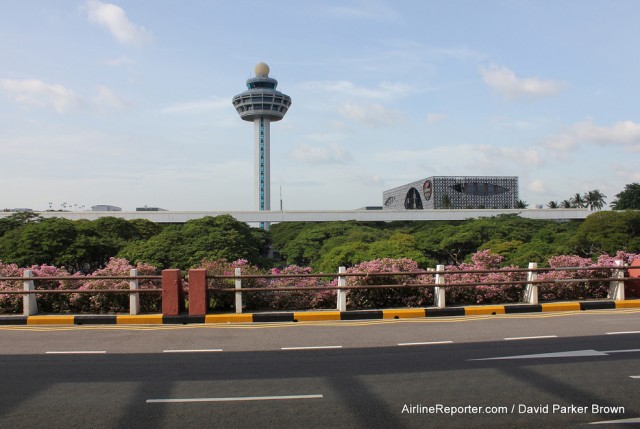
[634,376]
[531,338]
[192,351]
[617,422]
[241,398]
[311,348]
[624,332]
[77,352]
[425,343]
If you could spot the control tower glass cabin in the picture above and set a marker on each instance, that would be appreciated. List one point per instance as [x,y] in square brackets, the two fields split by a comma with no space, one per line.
[262,104]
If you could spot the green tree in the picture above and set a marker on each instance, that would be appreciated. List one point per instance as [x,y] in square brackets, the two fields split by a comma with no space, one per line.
[185,246]
[16,220]
[43,242]
[628,199]
[594,200]
[521,204]
[566,204]
[577,201]
[608,232]
[553,204]
[445,202]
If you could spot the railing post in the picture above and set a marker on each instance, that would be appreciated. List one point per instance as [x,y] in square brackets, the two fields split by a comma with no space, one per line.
[341,294]
[238,273]
[198,295]
[172,293]
[531,291]
[134,298]
[616,287]
[439,291]
[29,303]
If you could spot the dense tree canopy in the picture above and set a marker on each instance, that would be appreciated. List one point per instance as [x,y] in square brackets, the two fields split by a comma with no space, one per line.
[628,199]
[185,246]
[325,246]
[77,245]
[26,239]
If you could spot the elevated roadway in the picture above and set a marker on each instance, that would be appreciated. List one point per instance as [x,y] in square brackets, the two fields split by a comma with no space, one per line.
[323,216]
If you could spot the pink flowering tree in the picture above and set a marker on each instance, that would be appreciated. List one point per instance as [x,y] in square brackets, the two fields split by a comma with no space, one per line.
[47,303]
[226,300]
[576,290]
[484,294]
[10,303]
[112,302]
[388,297]
[303,299]
[52,302]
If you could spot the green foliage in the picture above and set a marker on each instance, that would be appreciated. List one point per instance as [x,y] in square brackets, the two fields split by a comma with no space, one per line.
[185,246]
[77,245]
[608,232]
[628,199]
[16,220]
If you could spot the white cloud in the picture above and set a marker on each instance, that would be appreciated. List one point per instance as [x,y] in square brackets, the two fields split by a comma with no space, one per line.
[499,155]
[537,186]
[373,115]
[115,19]
[34,92]
[623,133]
[363,9]
[384,91]
[108,98]
[506,83]
[322,155]
[199,106]
[434,118]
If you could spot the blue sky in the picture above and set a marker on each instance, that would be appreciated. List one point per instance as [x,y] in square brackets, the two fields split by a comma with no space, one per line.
[129,103]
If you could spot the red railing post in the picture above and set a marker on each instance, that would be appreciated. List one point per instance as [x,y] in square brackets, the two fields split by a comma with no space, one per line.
[633,286]
[198,296]
[172,293]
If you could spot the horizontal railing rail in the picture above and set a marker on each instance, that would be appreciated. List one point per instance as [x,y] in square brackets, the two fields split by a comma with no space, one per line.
[201,284]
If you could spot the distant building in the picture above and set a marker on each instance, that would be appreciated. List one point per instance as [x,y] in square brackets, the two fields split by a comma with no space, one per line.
[454,192]
[21,210]
[150,209]
[105,208]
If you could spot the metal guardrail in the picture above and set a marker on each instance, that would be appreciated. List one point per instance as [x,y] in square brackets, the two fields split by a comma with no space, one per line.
[29,292]
[616,288]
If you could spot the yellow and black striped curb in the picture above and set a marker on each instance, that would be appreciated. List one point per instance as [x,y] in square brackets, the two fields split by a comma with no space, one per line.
[309,316]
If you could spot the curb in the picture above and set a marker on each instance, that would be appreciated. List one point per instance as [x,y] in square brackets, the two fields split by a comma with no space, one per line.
[314,316]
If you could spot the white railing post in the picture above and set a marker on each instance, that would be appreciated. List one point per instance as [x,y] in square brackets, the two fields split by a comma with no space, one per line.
[531,290]
[29,303]
[134,298]
[438,291]
[238,273]
[616,287]
[342,294]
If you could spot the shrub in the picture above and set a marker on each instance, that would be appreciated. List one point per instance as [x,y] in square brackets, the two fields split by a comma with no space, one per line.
[112,302]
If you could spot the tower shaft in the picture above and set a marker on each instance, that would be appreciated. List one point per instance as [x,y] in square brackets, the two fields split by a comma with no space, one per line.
[262,165]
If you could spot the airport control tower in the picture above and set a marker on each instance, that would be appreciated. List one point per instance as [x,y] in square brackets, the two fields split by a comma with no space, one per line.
[262,104]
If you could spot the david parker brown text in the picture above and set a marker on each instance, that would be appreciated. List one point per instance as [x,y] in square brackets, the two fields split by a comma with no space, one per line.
[515,408]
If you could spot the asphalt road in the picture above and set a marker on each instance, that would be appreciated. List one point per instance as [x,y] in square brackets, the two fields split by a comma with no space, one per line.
[476,372]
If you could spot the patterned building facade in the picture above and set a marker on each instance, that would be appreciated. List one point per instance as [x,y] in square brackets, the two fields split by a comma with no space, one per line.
[454,192]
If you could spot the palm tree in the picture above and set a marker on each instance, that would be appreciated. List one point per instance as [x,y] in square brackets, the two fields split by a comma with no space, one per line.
[566,204]
[577,201]
[595,199]
[553,205]
[520,204]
